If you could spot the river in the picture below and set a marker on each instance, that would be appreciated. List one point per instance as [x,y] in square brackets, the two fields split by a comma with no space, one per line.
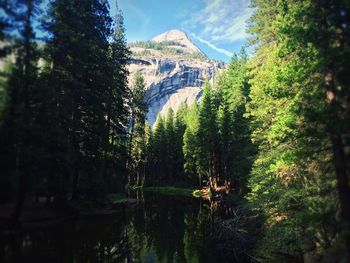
[157,228]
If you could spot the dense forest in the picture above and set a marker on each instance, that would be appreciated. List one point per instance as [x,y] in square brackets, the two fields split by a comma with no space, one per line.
[272,130]
[65,112]
[204,144]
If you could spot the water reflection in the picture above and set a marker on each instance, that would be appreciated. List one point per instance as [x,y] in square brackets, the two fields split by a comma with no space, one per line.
[158,228]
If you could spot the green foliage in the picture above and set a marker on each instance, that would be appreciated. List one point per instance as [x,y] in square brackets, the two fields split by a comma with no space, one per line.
[190,143]
[63,126]
[273,127]
[143,53]
[137,136]
[93,89]
[167,48]
[19,116]
[154,45]
[207,143]
[3,92]
[291,100]
[293,181]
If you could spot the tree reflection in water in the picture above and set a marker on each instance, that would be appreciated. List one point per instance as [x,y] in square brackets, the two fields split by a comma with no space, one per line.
[158,228]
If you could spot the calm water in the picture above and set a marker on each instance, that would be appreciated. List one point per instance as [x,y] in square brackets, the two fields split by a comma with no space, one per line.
[158,228]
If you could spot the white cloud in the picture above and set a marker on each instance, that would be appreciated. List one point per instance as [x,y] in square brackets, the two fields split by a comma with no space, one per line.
[220,50]
[220,21]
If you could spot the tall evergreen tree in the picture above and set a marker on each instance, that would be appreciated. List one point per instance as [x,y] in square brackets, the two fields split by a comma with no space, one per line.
[17,142]
[208,161]
[8,21]
[191,144]
[291,117]
[90,77]
[235,89]
[118,101]
[178,142]
[160,150]
[137,134]
[169,140]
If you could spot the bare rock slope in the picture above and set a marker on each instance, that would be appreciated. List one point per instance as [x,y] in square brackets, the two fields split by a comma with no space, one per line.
[174,69]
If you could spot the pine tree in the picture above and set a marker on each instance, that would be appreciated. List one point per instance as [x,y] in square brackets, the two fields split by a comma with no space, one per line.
[160,150]
[8,24]
[328,78]
[178,142]
[235,88]
[169,140]
[290,118]
[226,141]
[119,100]
[91,91]
[17,142]
[149,156]
[208,160]
[137,134]
[191,144]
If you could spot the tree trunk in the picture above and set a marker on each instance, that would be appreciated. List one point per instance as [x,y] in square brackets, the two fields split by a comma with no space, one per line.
[75,182]
[342,178]
[21,195]
[76,166]
[342,184]
[338,154]
[129,158]
[23,151]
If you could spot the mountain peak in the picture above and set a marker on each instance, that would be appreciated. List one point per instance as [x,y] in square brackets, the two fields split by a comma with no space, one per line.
[171,35]
[180,37]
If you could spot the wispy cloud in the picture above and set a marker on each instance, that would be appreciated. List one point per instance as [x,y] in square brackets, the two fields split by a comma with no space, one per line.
[220,21]
[220,50]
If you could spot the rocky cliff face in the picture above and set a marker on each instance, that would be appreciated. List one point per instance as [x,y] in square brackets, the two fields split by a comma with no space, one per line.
[174,70]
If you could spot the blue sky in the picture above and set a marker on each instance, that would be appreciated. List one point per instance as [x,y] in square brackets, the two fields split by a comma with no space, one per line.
[218,27]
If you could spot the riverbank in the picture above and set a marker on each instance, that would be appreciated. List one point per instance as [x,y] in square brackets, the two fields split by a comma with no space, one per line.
[203,193]
[172,190]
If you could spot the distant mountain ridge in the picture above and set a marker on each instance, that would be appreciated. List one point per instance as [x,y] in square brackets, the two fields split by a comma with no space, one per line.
[174,69]
[180,37]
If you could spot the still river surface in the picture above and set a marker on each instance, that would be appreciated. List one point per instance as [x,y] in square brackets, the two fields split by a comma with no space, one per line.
[158,228]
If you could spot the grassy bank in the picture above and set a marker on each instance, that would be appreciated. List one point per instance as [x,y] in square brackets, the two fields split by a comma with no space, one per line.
[170,190]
